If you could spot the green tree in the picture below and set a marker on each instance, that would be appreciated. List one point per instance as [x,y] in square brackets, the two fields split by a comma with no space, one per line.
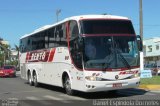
[17,49]
[4,53]
[17,57]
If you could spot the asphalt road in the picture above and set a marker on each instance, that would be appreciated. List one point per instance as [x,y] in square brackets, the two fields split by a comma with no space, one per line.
[16,92]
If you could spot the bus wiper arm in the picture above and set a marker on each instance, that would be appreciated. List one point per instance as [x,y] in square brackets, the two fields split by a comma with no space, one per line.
[108,60]
[123,59]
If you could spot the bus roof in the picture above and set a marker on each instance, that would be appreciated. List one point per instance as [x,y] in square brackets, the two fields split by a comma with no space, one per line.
[80,17]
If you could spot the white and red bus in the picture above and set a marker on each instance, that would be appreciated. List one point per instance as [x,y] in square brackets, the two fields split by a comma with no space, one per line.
[58,54]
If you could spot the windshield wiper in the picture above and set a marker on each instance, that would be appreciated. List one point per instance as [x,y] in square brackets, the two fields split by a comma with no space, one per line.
[119,53]
[108,60]
[123,59]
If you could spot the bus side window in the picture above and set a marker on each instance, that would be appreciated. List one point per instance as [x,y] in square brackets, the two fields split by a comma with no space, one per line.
[46,39]
[63,39]
[41,41]
[61,33]
[51,37]
[57,36]
[74,48]
[24,47]
[29,47]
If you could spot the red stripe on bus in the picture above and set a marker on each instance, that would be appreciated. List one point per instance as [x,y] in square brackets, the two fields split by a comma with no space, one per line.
[52,52]
[27,56]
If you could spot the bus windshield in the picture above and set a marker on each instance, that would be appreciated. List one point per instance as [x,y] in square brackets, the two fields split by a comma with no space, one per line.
[110,52]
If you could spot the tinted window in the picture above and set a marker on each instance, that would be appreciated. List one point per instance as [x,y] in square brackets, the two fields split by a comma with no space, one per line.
[107,27]
[53,37]
[57,36]
[23,44]
[38,41]
[74,29]
[74,47]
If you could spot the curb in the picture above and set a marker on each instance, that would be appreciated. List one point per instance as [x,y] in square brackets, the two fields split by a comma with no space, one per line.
[150,87]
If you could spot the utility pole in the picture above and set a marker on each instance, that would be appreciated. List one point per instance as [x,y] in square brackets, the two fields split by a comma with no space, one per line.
[141,34]
[141,19]
[58,11]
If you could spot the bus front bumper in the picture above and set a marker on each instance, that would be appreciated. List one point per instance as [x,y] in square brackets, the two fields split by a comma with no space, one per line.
[94,86]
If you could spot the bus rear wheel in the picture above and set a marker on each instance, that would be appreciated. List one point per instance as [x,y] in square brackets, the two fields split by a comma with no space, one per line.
[35,80]
[67,86]
[30,79]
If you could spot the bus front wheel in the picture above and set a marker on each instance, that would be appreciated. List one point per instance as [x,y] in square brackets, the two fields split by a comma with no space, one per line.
[67,86]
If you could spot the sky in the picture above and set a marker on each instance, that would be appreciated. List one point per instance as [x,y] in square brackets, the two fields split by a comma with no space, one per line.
[20,17]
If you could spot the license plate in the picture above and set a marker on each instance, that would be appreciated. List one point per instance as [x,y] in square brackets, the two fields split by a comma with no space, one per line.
[117,85]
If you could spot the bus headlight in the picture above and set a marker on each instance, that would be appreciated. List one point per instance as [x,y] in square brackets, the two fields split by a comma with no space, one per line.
[93,78]
[135,75]
[90,78]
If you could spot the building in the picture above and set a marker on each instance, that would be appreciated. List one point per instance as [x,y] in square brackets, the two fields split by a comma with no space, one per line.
[151,49]
[13,55]
[4,42]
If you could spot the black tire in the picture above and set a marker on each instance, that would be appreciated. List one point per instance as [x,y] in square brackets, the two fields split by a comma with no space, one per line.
[30,79]
[36,84]
[67,85]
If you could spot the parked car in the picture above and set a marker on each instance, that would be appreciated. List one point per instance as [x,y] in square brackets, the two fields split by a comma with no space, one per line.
[158,73]
[8,71]
[153,67]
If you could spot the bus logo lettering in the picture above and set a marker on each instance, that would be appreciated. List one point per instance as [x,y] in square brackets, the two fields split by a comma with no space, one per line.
[38,56]
[128,72]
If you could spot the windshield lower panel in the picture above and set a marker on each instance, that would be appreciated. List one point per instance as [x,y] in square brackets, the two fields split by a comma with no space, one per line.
[110,52]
